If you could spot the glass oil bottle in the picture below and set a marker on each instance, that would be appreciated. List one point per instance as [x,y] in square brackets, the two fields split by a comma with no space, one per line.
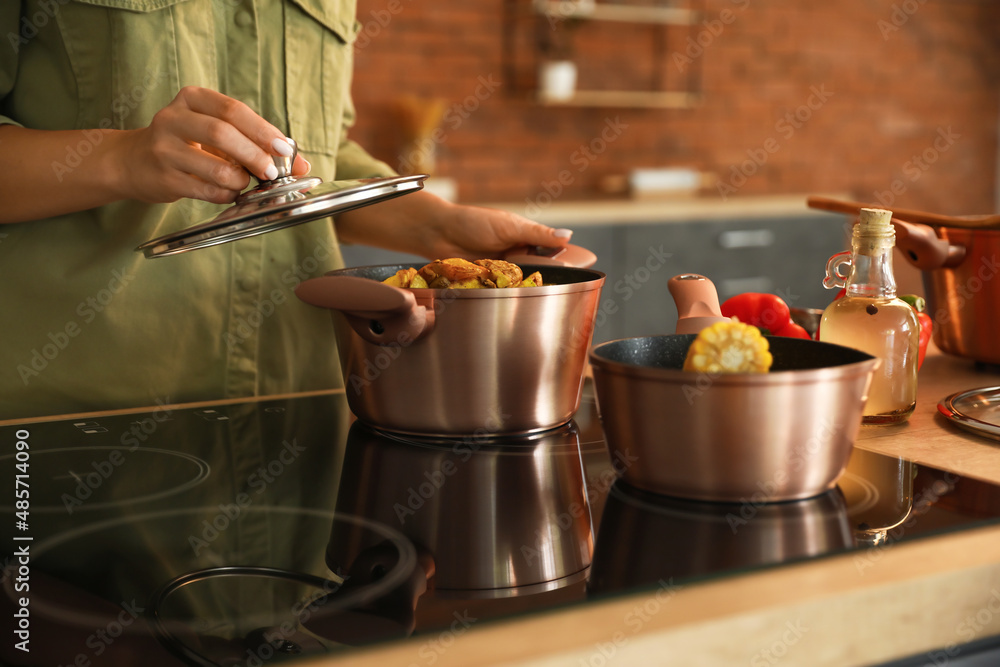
[870,318]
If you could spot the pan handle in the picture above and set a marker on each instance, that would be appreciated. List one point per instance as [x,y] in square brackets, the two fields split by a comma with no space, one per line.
[697,302]
[379,313]
[924,249]
[568,255]
[908,215]
[920,244]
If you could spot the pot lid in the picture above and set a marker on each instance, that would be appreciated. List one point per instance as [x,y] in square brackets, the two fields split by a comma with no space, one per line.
[280,203]
[975,410]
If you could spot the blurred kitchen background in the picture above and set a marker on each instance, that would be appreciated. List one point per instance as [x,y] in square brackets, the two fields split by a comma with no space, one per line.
[685,136]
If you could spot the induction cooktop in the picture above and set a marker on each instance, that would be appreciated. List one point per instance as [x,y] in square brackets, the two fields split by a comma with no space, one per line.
[252,532]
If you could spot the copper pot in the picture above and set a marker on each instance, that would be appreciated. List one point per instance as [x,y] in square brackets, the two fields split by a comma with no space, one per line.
[959,267]
[960,261]
[757,437]
[782,435]
[456,362]
[961,285]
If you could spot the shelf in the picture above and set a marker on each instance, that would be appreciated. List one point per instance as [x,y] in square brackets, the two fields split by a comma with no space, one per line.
[600,11]
[625,98]
[536,29]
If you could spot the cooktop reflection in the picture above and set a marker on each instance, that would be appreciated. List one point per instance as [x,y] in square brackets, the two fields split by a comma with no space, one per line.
[256,532]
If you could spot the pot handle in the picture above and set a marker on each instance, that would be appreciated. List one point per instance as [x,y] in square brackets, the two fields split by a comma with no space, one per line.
[697,302]
[924,249]
[381,314]
[568,255]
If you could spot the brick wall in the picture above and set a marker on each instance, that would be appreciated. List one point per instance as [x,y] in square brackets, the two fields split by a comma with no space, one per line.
[858,96]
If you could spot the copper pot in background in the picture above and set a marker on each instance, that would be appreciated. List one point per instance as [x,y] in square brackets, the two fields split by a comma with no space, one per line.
[964,299]
[959,257]
[452,362]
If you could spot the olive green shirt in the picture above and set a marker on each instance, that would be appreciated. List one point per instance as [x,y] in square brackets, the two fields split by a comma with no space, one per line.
[87,322]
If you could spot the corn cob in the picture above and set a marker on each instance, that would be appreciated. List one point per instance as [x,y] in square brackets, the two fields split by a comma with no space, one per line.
[729,347]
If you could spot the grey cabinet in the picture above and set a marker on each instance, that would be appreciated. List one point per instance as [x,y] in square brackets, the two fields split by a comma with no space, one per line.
[783,256]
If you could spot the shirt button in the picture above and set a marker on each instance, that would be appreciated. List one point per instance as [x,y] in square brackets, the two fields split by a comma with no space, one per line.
[243,19]
[246,284]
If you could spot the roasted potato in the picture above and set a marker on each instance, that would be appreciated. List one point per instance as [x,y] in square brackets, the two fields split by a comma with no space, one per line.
[456,273]
[469,283]
[534,280]
[501,273]
[454,270]
[406,278]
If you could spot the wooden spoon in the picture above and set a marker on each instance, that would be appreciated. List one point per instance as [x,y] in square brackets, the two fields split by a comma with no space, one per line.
[907,215]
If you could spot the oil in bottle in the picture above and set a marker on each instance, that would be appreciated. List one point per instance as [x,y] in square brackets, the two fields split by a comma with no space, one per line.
[870,318]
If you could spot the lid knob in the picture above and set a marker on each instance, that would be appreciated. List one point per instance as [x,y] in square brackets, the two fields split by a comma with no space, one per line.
[284,164]
[284,185]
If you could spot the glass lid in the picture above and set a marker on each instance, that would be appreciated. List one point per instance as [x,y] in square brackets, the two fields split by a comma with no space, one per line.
[975,410]
[280,203]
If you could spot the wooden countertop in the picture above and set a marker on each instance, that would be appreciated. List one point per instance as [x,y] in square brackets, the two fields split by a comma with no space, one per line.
[930,438]
[658,211]
[860,608]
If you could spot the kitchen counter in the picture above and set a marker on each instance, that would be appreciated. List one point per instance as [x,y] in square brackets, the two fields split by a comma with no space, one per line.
[578,214]
[874,605]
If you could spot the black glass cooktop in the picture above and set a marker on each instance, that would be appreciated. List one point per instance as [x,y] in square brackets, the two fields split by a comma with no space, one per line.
[255,532]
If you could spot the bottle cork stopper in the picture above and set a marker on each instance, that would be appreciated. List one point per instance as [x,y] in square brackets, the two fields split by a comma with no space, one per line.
[875,220]
[874,232]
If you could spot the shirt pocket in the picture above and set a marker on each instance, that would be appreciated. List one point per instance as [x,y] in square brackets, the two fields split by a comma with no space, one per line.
[133,5]
[319,39]
[126,55]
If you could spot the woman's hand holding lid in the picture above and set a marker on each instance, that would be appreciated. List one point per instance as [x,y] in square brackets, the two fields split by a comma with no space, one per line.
[203,145]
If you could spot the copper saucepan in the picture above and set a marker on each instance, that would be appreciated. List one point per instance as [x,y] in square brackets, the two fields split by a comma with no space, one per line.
[960,261]
[456,362]
[740,437]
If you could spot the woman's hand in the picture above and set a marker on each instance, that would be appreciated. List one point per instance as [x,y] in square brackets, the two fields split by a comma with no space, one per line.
[423,224]
[202,145]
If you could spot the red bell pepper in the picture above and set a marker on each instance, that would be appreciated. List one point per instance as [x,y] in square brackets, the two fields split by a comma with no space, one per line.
[926,324]
[767,312]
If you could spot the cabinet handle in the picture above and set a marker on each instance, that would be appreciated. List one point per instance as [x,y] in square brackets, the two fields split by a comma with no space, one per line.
[746,238]
[733,286]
